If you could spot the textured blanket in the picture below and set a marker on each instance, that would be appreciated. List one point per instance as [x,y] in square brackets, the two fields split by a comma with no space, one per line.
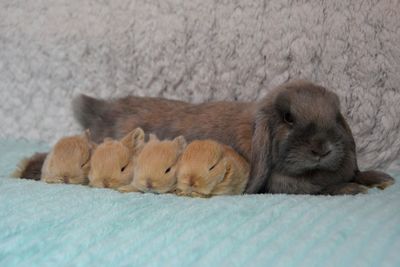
[200,50]
[197,50]
[66,225]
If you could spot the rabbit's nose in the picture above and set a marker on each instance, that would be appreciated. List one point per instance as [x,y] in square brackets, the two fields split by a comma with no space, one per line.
[65,179]
[149,184]
[106,184]
[191,181]
[321,149]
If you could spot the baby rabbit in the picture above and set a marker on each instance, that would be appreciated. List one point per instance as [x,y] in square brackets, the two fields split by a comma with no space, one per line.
[155,169]
[68,161]
[112,162]
[296,138]
[208,168]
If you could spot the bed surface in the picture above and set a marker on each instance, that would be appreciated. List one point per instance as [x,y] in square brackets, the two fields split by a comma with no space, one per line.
[68,225]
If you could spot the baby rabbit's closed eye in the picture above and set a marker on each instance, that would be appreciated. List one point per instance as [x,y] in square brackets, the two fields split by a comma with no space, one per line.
[208,168]
[113,162]
[68,161]
[156,166]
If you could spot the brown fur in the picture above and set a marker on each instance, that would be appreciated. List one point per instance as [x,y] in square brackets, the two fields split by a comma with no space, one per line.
[68,161]
[256,130]
[155,168]
[169,118]
[30,168]
[208,168]
[113,161]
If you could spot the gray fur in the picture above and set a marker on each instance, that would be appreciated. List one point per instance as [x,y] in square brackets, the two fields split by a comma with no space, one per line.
[199,50]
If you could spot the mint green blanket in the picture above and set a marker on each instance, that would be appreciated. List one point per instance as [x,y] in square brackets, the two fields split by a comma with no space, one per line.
[67,225]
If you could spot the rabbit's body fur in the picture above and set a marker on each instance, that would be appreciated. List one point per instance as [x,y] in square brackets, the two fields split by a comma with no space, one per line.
[68,161]
[208,168]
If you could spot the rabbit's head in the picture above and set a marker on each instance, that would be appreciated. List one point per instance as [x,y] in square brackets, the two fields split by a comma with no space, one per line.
[156,166]
[299,130]
[113,161]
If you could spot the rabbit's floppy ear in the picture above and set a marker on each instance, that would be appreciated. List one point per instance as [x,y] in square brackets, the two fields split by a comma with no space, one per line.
[86,135]
[348,131]
[346,127]
[181,142]
[127,140]
[133,138]
[227,167]
[138,139]
[261,155]
[92,146]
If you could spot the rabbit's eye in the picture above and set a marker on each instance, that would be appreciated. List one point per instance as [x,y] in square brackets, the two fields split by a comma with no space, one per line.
[123,168]
[212,167]
[288,118]
[84,164]
[168,170]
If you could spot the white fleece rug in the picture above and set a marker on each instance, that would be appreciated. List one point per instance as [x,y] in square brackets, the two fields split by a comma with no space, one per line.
[71,225]
[200,50]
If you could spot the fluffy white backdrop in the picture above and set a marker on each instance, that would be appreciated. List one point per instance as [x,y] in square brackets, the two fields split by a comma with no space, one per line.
[199,50]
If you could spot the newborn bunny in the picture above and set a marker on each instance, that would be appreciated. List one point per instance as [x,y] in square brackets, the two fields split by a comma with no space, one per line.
[155,168]
[208,168]
[295,138]
[68,161]
[112,162]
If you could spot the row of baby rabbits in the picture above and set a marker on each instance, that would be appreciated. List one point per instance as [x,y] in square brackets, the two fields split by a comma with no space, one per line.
[202,168]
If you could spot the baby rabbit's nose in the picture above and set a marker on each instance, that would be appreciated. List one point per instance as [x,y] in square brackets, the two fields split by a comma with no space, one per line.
[321,149]
[106,184]
[65,179]
[191,181]
[149,184]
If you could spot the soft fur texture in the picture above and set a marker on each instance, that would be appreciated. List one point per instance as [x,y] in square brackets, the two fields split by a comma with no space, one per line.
[68,161]
[301,142]
[228,122]
[45,225]
[296,138]
[156,166]
[200,50]
[207,168]
[30,167]
[113,161]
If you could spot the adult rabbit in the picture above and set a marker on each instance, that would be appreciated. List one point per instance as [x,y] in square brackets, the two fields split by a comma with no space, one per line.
[295,138]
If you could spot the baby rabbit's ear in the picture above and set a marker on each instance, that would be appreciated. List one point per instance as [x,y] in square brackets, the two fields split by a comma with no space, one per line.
[128,139]
[138,139]
[133,138]
[86,135]
[93,146]
[227,167]
[153,137]
[181,142]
